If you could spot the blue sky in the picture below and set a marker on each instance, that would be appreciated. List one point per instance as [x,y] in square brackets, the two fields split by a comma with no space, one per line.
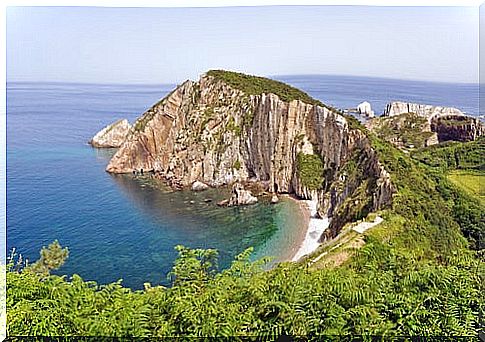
[168,45]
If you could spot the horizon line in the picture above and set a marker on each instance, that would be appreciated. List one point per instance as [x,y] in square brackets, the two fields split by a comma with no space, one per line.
[274,76]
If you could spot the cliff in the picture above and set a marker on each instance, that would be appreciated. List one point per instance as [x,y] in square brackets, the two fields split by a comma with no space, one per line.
[112,135]
[229,127]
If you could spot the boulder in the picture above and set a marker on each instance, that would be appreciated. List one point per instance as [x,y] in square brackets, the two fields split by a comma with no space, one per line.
[274,199]
[240,196]
[113,135]
[199,186]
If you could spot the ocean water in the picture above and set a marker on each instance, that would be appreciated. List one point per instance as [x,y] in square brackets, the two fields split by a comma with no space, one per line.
[120,227]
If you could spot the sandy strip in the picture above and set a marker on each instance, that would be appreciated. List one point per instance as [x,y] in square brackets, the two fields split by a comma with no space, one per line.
[308,239]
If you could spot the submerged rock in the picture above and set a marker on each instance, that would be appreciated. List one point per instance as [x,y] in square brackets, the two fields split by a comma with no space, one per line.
[240,196]
[112,135]
[199,186]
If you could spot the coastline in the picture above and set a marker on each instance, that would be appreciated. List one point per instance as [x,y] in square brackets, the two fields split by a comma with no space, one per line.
[309,234]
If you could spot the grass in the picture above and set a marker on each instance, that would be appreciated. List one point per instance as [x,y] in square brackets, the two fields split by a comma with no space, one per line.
[310,170]
[470,181]
[405,129]
[454,155]
[255,85]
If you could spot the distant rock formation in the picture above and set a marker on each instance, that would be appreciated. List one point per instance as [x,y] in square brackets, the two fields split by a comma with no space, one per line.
[457,128]
[423,125]
[112,135]
[426,111]
[365,109]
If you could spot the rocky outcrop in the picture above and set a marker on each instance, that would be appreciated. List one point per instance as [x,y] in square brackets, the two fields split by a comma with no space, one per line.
[199,186]
[112,135]
[418,125]
[423,110]
[457,128]
[241,196]
[217,133]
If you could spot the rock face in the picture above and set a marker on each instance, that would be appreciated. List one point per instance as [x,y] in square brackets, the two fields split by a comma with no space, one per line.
[240,196]
[217,133]
[112,135]
[457,128]
[365,109]
[427,111]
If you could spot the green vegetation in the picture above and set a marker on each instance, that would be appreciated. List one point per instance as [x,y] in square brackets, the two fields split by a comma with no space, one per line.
[404,130]
[454,155]
[472,182]
[310,170]
[142,121]
[254,85]
[455,121]
[237,165]
[232,127]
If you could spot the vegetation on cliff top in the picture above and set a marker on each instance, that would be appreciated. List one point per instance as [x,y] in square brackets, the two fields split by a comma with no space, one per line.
[255,85]
[404,130]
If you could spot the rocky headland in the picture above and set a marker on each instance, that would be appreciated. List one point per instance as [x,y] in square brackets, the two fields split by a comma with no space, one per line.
[231,128]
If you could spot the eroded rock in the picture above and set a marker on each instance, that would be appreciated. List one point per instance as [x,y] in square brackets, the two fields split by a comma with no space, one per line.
[240,196]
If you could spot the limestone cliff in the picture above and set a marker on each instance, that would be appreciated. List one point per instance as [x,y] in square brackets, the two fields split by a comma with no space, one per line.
[230,127]
[112,135]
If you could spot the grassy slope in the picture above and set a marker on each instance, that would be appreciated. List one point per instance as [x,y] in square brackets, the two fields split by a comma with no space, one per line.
[472,182]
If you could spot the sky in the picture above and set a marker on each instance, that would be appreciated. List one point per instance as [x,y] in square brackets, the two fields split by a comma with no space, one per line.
[169,45]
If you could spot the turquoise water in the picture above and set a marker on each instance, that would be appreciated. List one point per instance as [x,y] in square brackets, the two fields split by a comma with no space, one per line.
[115,226]
[121,227]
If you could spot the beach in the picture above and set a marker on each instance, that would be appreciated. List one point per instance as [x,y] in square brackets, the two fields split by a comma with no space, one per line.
[310,232]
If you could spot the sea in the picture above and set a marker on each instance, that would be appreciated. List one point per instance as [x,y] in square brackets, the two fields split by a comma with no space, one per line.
[122,227]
